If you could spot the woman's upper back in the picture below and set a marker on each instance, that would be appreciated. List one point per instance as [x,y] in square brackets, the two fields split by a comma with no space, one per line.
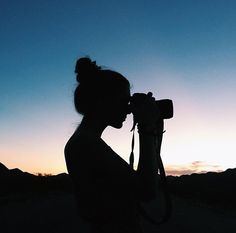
[105,185]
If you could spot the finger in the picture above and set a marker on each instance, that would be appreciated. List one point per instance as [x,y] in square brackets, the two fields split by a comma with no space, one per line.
[149,94]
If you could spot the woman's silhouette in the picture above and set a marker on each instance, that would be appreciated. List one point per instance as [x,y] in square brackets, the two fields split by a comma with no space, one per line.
[107,189]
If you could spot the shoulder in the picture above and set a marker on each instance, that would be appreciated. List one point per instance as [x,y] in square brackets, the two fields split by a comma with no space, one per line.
[83,145]
[77,143]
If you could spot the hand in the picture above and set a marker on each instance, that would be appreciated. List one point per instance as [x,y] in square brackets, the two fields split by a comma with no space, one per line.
[144,109]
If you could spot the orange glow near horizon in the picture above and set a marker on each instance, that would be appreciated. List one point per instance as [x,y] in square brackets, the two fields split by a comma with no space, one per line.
[192,143]
[200,137]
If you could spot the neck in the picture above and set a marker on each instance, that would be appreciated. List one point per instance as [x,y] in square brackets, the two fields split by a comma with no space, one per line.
[92,126]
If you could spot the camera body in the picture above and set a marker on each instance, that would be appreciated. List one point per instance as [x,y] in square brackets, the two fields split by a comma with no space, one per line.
[165,106]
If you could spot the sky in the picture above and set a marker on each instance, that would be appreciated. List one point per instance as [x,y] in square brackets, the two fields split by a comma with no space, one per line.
[182,50]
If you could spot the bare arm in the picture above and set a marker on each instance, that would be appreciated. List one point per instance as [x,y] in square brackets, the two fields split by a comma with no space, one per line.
[147,166]
[146,115]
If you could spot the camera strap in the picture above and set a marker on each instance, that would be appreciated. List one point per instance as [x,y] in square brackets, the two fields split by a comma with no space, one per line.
[131,157]
[163,180]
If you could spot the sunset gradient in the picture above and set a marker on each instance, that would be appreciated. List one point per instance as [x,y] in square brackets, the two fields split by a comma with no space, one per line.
[180,50]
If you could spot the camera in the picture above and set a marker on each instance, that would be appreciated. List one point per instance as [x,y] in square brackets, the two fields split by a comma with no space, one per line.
[165,106]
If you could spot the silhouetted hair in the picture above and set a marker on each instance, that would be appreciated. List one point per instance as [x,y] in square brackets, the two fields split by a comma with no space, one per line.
[95,83]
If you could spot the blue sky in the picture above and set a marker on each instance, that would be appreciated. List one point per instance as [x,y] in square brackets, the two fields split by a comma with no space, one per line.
[183,50]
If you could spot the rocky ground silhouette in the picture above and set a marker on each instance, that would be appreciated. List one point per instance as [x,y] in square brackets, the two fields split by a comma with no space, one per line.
[29,203]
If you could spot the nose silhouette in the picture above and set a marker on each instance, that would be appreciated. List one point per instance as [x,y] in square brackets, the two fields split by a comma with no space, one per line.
[129,109]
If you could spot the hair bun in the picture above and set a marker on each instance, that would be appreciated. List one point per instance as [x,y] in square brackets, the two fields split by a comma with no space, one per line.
[85,68]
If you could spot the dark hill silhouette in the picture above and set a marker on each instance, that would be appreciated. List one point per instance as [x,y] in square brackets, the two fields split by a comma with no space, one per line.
[53,211]
[211,188]
[3,167]
[3,170]
[14,181]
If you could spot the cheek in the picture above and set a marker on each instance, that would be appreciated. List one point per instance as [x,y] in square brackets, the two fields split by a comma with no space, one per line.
[119,111]
[116,115]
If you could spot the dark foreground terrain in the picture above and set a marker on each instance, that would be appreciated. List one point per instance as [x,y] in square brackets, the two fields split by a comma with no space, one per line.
[203,203]
[57,213]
